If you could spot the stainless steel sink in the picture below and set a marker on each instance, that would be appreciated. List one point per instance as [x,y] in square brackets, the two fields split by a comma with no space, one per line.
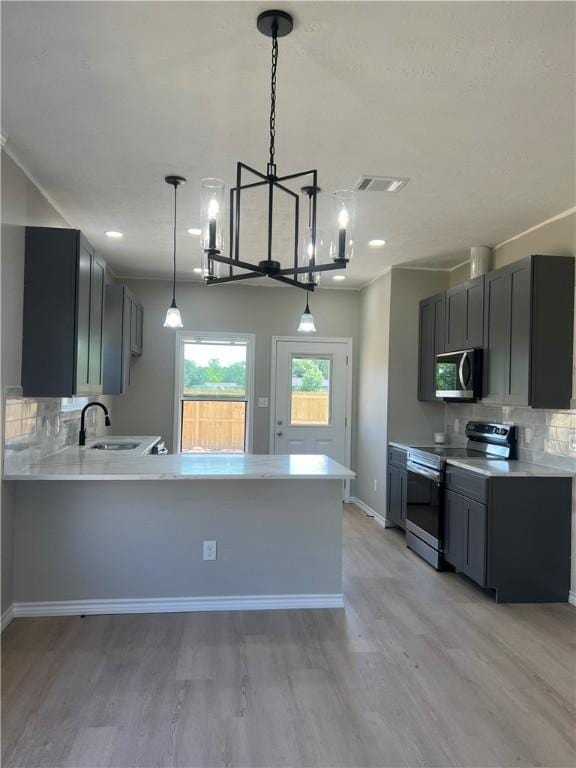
[114,446]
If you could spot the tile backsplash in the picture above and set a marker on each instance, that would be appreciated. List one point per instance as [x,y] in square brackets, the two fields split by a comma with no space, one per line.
[35,428]
[544,437]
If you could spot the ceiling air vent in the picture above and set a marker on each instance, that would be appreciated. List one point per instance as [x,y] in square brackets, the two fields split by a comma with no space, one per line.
[381,183]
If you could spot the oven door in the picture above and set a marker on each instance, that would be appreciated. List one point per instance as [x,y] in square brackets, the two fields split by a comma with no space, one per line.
[424,512]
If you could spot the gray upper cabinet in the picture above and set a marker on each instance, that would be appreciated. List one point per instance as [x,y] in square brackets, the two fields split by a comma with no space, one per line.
[122,337]
[528,333]
[136,323]
[63,317]
[431,343]
[465,315]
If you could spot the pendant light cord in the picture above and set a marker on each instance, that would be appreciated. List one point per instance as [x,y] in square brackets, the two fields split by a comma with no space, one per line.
[272,164]
[174,277]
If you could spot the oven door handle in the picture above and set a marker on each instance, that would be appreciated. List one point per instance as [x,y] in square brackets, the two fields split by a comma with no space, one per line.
[418,469]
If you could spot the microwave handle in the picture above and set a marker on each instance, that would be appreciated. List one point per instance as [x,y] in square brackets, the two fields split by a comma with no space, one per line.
[463,359]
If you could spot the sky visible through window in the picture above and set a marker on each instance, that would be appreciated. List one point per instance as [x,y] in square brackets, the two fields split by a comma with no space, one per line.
[226,354]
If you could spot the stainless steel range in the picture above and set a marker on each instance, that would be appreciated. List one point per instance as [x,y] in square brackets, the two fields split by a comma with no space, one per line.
[426,470]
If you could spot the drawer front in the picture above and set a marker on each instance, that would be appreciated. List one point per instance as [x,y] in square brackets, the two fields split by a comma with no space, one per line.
[397,457]
[468,484]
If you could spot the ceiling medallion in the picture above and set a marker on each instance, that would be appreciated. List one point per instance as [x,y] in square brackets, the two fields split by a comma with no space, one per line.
[310,257]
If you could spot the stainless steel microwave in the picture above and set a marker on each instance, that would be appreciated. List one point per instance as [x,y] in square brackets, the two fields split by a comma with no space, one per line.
[458,375]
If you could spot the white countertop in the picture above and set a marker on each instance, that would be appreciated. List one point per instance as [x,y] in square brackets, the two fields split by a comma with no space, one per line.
[78,464]
[493,467]
[504,468]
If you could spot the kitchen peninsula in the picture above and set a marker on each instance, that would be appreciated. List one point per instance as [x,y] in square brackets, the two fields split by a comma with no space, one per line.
[122,534]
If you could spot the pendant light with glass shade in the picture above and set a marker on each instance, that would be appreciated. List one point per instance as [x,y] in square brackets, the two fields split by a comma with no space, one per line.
[173,319]
[307,321]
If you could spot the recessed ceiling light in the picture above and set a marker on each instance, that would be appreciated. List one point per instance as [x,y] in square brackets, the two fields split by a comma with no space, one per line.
[112,233]
[376,243]
[339,277]
[194,231]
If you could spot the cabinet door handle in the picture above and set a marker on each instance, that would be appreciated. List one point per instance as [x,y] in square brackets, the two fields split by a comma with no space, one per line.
[279,434]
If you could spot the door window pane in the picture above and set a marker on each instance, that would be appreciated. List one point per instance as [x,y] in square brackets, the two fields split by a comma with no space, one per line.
[209,426]
[214,369]
[310,391]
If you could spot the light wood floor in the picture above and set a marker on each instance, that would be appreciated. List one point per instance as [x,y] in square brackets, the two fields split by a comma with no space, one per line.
[420,669]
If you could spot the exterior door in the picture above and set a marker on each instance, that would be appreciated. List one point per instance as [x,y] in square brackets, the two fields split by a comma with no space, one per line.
[311,398]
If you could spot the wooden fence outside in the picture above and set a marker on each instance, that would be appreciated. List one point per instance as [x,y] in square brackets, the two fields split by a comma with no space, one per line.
[310,408]
[218,425]
[213,425]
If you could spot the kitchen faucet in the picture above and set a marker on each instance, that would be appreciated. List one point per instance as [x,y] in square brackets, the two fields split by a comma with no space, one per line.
[82,436]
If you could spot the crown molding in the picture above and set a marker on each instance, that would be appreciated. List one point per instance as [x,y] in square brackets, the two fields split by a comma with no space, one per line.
[562,215]
[12,155]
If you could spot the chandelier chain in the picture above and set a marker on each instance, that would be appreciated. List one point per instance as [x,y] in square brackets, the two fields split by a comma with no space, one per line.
[174,238]
[272,168]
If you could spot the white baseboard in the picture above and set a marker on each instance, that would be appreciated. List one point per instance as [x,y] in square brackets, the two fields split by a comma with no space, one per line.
[572,597]
[370,512]
[179,605]
[7,617]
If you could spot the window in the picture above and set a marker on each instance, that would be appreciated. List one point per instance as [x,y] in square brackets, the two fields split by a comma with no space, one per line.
[310,391]
[214,383]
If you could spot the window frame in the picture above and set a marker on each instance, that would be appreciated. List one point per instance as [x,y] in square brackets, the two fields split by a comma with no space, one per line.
[184,337]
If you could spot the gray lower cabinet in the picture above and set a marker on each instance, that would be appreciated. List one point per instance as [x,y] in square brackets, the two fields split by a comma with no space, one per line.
[431,342]
[122,337]
[513,536]
[64,283]
[465,536]
[528,333]
[397,486]
[465,315]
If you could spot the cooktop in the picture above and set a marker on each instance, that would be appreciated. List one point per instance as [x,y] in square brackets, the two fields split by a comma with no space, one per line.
[451,451]
[485,441]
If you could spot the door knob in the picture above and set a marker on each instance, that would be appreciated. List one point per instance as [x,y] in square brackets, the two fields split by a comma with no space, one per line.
[279,434]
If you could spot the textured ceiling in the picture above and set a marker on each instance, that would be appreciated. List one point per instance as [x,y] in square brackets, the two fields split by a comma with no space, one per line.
[473,101]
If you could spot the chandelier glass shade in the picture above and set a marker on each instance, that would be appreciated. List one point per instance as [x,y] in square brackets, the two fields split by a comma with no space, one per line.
[309,252]
[307,321]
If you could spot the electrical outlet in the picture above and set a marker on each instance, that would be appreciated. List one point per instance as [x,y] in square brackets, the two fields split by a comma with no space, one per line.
[527,435]
[375,486]
[263,402]
[572,440]
[209,550]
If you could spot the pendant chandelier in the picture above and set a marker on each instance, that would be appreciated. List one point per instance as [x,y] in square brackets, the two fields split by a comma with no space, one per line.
[309,259]
[173,319]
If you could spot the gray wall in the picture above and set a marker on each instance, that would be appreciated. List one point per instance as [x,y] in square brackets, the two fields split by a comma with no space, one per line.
[147,407]
[373,392]
[409,419]
[388,407]
[124,540]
